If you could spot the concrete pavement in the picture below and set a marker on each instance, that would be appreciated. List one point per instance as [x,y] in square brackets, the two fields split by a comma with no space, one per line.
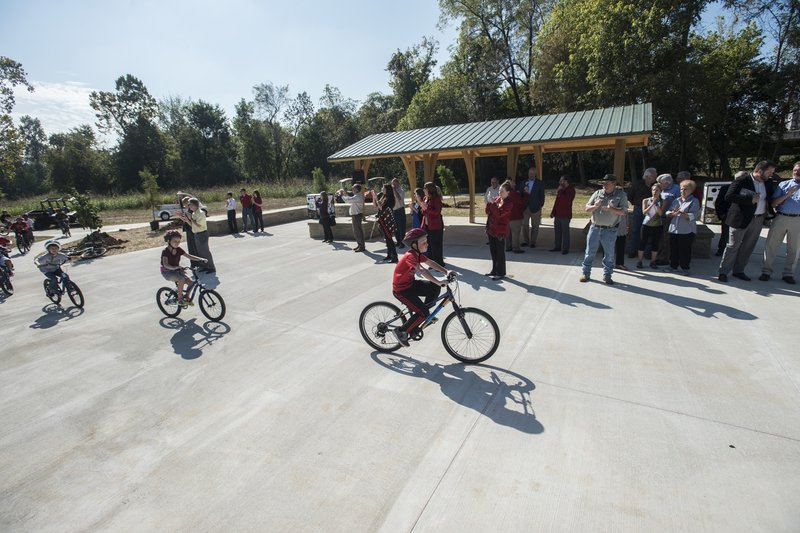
[662,403]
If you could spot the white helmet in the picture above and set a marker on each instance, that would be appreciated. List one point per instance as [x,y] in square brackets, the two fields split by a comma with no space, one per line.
[52,242]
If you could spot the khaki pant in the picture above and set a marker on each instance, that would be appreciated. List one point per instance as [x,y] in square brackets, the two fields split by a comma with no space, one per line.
[515,229]
[782,227]
[532,220]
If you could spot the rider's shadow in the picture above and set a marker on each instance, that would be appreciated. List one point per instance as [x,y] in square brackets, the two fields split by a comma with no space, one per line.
[190,337]
[501,395]
[53,314]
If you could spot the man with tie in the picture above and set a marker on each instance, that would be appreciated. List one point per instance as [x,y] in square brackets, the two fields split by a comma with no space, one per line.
[532,216]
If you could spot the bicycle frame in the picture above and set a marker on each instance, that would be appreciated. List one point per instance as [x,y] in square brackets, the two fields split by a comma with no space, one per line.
[193,287]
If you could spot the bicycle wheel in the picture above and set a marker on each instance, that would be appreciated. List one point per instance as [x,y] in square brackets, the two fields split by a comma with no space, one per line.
[376,323]
[6,286]
[94,252]
[51,293]
[167,300]
[22,246]
[212,305]
[74,294]
[479,344]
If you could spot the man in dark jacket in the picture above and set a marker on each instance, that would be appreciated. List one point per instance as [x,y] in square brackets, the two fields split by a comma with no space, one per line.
[749,203]
[532,216]
[721,206]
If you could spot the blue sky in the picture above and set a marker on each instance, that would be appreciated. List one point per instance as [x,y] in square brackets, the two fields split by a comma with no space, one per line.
[210,50]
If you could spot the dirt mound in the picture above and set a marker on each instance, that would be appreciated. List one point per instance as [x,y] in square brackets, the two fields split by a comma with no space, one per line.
[102,238]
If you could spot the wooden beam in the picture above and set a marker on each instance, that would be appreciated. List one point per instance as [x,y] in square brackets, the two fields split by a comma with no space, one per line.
[619,161]
[429,166]
[363,164]
[411,171]
[469,161]
[512,158]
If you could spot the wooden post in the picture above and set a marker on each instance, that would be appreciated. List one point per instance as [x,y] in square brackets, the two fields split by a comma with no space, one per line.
[469,161]
[411,170]
[619,161]
[363,164]
[512,158]
[429,166]
[539,164]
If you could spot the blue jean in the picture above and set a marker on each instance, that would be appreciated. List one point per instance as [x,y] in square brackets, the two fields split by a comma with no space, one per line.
[635,231]
[605,237]
[247,213]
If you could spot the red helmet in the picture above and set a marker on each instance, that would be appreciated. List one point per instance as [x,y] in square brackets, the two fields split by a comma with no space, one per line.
[414,235]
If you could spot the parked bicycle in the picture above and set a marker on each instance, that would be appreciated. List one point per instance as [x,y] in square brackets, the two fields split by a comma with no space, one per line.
[469,334]
[211,303]
[54,289]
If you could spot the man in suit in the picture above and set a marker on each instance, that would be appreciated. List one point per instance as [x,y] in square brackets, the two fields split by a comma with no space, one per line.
[749,203]
[532,217]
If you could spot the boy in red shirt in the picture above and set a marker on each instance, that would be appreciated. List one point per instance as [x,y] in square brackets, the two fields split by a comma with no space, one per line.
[409,290]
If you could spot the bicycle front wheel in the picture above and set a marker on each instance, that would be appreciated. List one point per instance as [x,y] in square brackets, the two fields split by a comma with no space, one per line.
[212,305]
[74,294]
[472,337]
[51,292]
[6,286]
[22,246]
[91,253]
[167,300]
[376,323]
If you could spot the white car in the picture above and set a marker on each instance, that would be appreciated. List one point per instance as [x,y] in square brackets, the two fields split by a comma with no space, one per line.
[168,211]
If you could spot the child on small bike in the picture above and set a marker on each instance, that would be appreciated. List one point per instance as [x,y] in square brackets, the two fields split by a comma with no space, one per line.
[171,268]
[5,251]
[409,290]
[50,263]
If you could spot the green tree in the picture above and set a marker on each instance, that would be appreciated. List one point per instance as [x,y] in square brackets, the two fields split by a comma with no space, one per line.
[449,182]
[150,188]
[254,154]
[410,70]
[86,212]
[12,143]
[207,151]
[270,103]
[75,160]
[31,172]
[507,31]
[123,109]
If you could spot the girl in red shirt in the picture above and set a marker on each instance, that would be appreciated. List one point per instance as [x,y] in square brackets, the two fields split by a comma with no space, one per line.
[432,209]
[499,213]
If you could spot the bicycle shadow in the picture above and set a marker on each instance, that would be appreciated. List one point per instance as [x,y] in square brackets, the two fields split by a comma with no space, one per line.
[54,313]
[499,394]
[190,337]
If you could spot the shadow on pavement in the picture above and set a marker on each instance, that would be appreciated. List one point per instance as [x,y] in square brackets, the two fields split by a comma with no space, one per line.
[53,314]
[501,395]
[699,307]
[190,337]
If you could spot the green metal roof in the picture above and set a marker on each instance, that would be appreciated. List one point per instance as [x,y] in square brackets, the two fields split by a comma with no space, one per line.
[612,122]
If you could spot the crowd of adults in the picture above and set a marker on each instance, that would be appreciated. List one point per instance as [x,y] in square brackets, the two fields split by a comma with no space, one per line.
[659,231]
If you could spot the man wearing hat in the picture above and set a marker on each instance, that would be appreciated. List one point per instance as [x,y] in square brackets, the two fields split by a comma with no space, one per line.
[607,206]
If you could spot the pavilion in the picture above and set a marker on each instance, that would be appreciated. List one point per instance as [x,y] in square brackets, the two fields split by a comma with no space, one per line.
[613,128]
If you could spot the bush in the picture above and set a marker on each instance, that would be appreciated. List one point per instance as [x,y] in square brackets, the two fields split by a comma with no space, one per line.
[318,180]
[86,211]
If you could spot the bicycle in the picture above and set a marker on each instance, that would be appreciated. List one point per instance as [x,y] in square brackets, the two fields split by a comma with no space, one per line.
[469,334]
[88,251]
[211,303]
[22,243]
[5,281]
[54,290]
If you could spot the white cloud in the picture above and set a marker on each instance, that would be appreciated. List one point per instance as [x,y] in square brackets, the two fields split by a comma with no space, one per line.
[60,106]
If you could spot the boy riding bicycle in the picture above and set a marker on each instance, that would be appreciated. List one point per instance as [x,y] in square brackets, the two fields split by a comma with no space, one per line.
[410,291]
[171,268]
[50,263]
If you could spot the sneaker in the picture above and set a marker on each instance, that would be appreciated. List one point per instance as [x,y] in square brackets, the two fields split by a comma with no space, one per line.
[401,336]
[789,279]
[608,281]
[639,265]
[763,277]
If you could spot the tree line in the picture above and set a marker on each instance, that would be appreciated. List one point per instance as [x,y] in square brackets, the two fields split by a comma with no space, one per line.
[720,95]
